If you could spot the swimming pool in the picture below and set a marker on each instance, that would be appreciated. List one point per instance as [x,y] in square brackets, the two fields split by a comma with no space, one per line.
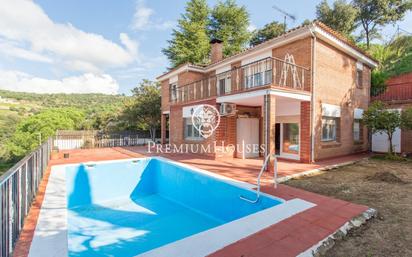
[155,207]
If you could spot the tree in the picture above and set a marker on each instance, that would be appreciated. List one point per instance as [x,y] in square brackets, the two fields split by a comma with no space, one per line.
[379,119]
[378,82]
[341,17]
[306,22]
[269,31]
[143,111]
[402,61]
[190,41]
[376,13]
[229,23]
[31,131]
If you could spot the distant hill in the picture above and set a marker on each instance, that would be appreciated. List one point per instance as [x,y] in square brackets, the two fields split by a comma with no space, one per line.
[84,101]
[99,109]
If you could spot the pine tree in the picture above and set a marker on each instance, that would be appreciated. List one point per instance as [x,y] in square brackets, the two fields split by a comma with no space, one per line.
[190,41]
[373,14]
[269,31]
[229,23]
[341,17]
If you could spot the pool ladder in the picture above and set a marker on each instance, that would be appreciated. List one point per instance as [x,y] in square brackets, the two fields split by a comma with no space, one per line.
[265,164]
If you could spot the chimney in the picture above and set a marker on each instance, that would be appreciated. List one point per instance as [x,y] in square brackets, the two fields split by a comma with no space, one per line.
[216,50]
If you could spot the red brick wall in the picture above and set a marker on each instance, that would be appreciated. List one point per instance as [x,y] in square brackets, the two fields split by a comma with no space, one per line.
[188,77]
[300,49]
[302,53]
[399,89]
[305,132]
[165,94]
[335,83]
[176,130]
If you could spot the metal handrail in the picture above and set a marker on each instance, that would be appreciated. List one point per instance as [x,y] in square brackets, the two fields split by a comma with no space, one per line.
[18,188]
[260,175]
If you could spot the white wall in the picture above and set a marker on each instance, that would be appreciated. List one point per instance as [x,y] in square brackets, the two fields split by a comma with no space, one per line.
[380,142]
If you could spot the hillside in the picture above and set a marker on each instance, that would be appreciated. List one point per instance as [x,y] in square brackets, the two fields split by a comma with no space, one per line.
[16,107]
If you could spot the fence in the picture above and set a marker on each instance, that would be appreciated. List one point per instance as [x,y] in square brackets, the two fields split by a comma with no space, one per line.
[67,140]
[18,187]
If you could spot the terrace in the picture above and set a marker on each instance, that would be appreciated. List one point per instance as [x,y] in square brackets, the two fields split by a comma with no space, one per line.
[265,73]
[295,235]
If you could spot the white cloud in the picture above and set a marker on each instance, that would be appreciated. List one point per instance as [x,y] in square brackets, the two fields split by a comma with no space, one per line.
[11,49]
[86,83]
[25,22]
[131,45]
[142,19]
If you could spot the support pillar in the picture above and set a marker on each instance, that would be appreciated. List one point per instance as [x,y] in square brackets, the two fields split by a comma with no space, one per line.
[163,127]
[269,125]
[305,132]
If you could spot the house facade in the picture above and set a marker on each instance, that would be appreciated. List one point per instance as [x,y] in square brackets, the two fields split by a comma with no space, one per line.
[397,96]
[301,95]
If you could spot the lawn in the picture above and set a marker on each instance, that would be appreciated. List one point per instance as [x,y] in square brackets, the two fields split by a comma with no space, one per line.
[383,185]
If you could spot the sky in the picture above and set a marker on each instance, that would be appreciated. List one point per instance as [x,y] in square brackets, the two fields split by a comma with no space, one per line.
[103,46]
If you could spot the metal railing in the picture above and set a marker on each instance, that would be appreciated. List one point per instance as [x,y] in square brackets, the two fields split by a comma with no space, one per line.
[18,187]
[68,140]
[275,176]
[262,73]
[400,92]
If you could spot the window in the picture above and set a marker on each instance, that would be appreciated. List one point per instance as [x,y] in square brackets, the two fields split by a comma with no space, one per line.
[357,133]
[257,74]
[222,89]
[290,138]
[359,78]
[329,128]
[268,76]
[191,133]
[224,83]
[173,92]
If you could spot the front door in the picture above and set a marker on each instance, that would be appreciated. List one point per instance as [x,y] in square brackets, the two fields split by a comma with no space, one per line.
[247,137]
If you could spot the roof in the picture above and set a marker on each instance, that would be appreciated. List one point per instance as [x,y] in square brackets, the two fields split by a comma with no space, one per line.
[344,39]
[319,24]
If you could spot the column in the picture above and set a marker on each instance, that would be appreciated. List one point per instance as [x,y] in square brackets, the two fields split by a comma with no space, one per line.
[305,132]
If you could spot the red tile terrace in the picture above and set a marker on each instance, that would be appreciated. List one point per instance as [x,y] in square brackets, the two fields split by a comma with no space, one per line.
[290,237]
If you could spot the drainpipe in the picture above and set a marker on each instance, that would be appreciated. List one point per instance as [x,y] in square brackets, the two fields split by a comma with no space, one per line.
[313,104]
[266,106]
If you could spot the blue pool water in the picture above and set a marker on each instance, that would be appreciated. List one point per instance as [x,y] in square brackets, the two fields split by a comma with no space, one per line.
[126,208]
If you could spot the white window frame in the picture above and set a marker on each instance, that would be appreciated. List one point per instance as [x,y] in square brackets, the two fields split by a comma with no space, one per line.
[332,123]
[173,92]
[226,77]
[195,135]
[357,135]
[252,71]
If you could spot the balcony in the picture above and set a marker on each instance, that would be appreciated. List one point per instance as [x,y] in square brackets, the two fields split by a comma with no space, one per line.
[265,73]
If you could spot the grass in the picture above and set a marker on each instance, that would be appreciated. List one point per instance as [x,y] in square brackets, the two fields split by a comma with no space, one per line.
[384,185]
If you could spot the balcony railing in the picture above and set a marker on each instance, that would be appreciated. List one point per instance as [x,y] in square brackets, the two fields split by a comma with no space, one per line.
[263,73]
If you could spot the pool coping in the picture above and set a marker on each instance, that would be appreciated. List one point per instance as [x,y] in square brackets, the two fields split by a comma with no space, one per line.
[51,227]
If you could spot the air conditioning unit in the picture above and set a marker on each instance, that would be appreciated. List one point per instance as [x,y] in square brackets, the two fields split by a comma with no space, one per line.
[227,109]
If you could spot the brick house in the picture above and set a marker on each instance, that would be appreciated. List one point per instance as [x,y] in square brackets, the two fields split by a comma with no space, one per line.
[301,95]
[398,95]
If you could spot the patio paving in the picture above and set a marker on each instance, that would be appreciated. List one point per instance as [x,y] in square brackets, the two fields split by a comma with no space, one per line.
[289,237]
